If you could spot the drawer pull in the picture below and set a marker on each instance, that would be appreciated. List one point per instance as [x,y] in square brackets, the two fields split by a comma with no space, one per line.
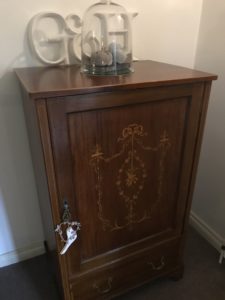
[101,290]
[158,267]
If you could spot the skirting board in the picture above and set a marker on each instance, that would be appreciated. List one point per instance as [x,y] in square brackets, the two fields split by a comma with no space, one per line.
[21,254]
[206,231]
[36,249]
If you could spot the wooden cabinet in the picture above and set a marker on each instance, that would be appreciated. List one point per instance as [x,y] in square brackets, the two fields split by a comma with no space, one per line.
[122,151]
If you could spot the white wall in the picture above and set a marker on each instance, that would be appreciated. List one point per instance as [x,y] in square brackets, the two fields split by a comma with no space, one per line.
[209,196]
[165,30]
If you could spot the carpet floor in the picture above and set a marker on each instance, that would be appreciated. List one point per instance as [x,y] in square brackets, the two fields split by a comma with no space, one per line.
[204,278]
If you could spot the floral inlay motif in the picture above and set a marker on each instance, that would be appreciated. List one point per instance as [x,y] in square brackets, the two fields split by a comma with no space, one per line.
[131,175]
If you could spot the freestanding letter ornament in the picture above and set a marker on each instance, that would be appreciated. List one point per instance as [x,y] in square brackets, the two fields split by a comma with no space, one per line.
[56,40]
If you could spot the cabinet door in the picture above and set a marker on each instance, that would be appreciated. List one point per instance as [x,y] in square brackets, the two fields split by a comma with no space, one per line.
[123,160]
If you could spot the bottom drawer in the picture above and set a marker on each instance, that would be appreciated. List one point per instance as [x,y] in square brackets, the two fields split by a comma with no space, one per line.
[127,273]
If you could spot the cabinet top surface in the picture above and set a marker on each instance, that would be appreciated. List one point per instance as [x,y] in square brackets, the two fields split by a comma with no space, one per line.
[67,80]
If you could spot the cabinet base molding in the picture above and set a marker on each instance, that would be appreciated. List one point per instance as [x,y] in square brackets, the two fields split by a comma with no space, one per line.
[177,274]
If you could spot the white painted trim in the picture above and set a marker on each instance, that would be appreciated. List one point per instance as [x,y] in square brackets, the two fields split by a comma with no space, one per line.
[21,254]
[206,231]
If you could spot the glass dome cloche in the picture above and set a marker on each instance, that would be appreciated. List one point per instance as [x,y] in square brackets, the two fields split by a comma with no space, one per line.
[106,47]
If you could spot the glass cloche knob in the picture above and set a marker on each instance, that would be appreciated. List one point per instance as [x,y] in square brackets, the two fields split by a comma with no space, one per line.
[106,40]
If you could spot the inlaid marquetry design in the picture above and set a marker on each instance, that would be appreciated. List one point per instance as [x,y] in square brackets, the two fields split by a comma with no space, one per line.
[131,176]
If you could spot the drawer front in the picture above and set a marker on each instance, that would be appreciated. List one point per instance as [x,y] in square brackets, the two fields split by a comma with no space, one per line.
[119,276]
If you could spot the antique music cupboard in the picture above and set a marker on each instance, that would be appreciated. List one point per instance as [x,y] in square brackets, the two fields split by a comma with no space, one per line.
[122,152]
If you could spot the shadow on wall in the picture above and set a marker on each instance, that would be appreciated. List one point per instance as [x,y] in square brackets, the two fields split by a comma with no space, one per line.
[21,233]
[20,222]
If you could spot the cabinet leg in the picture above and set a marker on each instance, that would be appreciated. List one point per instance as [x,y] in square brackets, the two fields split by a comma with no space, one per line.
[177,274]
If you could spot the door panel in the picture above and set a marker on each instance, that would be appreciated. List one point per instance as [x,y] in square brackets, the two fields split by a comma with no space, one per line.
[121,170]
[126,167]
